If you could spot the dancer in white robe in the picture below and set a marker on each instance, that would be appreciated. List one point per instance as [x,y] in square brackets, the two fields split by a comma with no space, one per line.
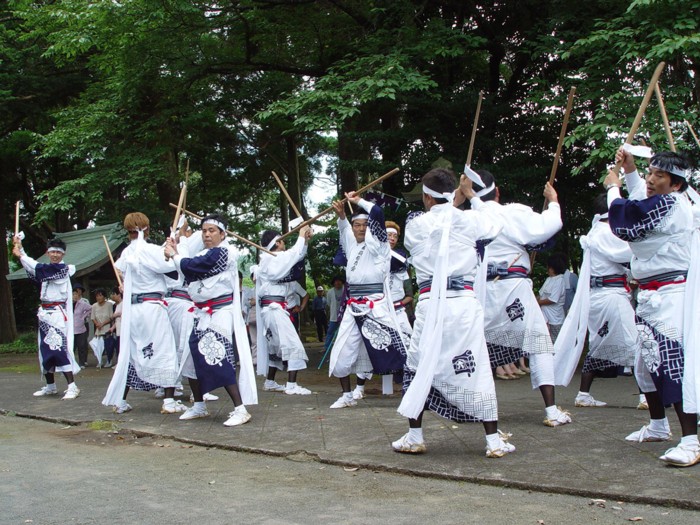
[148,357]
[218,339]
[398,275]
[55,314]
[657,221]
[514,323]
[447,368]
[603,305]
[279,345]
[369,339]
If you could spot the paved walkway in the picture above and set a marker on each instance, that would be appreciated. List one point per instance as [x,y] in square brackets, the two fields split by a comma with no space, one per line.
[589,457]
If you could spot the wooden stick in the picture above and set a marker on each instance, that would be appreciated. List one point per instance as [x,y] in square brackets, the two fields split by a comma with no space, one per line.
[664,117]
[111,259]
[343,201]
[692,132]
[17,217]
[510,266]
[235,235]
[178,209]
[562,134]
[286,194]
[187,181]
[474,127]
[642,108]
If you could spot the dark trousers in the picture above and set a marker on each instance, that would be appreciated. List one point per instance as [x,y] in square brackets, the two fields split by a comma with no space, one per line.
[321,323]
[80,344]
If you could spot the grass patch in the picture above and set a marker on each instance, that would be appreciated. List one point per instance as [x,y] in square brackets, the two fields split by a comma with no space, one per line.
[101,424]
[24,344]
[21,368]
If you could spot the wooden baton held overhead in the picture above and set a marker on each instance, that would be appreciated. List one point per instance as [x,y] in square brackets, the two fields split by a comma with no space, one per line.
[232,234]
[475,125]
[16,218]
[286,194]
[111,259]
[664,117]
[330,208]
[692,132]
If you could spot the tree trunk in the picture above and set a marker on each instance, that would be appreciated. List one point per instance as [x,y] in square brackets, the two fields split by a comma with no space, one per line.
[8,327]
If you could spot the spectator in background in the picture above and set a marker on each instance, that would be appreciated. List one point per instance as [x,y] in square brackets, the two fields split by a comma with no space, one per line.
[81,314]
[112,338]
[553,294]
[335,299]
[101,316]
[318,307]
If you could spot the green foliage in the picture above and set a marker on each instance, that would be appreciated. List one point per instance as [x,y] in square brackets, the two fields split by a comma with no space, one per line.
[24,344]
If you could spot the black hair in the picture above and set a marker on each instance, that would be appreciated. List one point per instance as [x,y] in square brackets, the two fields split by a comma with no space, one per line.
[441,180]
[56,243]
[488,179]
[600,204]
[337,278]
[557,262]
[267,237]
[670,160]
[218,218]
[99,291]
[116,291]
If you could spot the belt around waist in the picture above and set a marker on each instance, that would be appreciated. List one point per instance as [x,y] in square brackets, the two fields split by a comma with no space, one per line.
[663,279]
[48,306]
[514,272]
[266,300]
[137,298]
[362,290]
[180,294]
[608,281]
[453,283]
[217,302]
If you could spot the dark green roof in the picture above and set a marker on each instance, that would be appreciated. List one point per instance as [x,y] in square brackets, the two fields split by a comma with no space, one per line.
[85,249]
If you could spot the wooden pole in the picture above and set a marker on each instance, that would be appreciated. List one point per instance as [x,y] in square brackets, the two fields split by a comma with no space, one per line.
[235,235]
[642,108]
[111,259]
[692,132]
[475,125]
[330,208]
[286,194]
[664,117]
[187,181]
[178,209]
[562,134]
[16,218]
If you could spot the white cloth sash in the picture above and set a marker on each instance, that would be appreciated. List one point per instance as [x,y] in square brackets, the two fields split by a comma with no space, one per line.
[691,331]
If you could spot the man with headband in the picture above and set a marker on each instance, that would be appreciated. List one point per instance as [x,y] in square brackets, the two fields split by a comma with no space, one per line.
[447,368]
[147,354]
[279,345]
[368,338]
[398,275]
[601,304]
[514,323]
[55,316]
[218,338]
[657,221]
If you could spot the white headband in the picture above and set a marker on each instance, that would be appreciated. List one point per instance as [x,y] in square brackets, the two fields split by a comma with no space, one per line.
[273,242]
[360,216]
[485,191]
[392,230]
[675,171]
[215,223]
[55,249]
[449,196]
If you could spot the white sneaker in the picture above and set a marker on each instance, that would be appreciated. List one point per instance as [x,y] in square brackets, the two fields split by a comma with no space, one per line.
[239,416]
[179,392]
[72,392]
[174,407]
[46,390]
[503,447]
[405,446]
[195,412]
[273,386]
[682,455]
[298,390]
[645,434]
[562,418]
[642,405]
[122,408]
[358,394]
[160,393]
[344,402]
[588,401]
[205,397]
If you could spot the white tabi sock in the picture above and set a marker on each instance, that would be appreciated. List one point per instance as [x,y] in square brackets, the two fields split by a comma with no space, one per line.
[660,425]
[360,388]
[241,409]
[415,435]
[583,394]
[690,440]
[347,395]
[290,385]
[551,412]
[199,404]
[493,441]
[168,400]
[71,384]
